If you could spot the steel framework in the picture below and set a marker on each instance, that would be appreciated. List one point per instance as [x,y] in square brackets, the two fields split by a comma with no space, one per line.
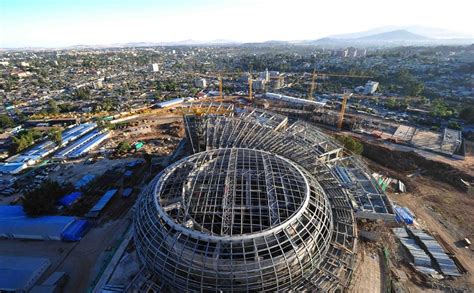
[233,219]
[262,205]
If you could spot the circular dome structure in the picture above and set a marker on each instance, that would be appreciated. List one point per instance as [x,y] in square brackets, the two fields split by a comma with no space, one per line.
[233,219]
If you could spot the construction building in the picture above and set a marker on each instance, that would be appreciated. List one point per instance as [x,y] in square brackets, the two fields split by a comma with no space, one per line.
[262,204]
[370,87]
[153,67]
[200,83]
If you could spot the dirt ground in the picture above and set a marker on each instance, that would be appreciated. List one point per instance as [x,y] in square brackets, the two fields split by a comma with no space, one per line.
[430,199]
[367,276]
[160,135]
[72,171]
[440,209]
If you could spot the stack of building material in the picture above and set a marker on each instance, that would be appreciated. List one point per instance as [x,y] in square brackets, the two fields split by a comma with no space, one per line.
[445,263]
[421,261]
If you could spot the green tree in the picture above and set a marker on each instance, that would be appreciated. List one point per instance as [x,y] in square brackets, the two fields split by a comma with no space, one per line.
[56,136]
[52,107]
[105,124]
[41,201]
[454,125]
[82,94]
[391,103]
[467,114]
[123,147]
[440,109]
[351,144]
[23,140]
[6,121]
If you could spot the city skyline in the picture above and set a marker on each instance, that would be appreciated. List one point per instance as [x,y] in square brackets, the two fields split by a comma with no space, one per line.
[53,23]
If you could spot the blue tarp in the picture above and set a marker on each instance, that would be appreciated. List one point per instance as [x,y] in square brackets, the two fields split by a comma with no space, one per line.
[69,199]
[14,223]
[75,231]
[11,212]
[84,181]
[126,192]
[128,173]
[402,216]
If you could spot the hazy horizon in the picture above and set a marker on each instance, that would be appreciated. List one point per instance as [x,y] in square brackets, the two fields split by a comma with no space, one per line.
[54,23]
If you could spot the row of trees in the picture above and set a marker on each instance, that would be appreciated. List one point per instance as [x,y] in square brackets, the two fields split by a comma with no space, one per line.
[6,121]
[24,139]
[27,138]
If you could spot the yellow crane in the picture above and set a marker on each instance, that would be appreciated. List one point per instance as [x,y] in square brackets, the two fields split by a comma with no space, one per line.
[313,85]
[345,97]
[322,75]
[220,87]
[250,88]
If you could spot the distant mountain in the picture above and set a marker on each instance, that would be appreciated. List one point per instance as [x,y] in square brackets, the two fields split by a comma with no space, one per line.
[388,36]
[437,33]
[397,35]
[430,32]
[364,33]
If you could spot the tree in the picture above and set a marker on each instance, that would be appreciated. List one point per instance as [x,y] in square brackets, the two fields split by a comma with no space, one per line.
[391,103]
[82,94]
[123,147]
[454,125]
[23,140]
[56,136]
[6,121]
[351,144]
[105,124]
[52,107]
[41,201]
[467,114]
[440,109]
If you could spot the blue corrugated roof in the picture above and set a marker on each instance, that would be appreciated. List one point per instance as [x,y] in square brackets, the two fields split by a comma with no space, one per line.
[15,223]
[103,201]
[8,212]
[84,181]
[69,199]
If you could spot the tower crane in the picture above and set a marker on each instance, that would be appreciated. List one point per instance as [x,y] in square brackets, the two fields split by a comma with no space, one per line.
[340,120]
[218,77]
[316,75]
[345,97]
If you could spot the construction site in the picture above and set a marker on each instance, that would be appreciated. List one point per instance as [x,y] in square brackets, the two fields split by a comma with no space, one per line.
[264,203]
[255,193]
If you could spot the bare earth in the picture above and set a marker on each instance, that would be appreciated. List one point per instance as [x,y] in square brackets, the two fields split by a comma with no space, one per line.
[443,210]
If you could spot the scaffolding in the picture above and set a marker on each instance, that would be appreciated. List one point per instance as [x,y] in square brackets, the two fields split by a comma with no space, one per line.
[233,219]
[233,216]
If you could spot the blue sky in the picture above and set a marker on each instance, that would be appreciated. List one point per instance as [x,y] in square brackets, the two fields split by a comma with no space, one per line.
[64,22]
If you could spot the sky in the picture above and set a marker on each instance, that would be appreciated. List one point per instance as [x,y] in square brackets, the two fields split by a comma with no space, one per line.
[56,23]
